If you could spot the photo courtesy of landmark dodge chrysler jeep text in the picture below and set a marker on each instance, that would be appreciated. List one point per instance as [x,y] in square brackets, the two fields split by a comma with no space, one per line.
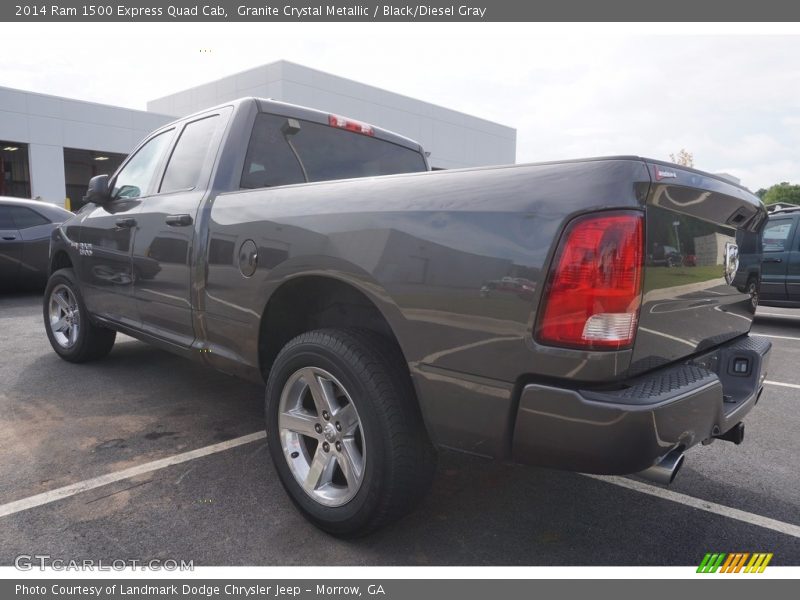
[522,312]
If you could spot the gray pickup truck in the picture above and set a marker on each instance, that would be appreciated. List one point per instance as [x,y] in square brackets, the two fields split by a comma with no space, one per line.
[519,312]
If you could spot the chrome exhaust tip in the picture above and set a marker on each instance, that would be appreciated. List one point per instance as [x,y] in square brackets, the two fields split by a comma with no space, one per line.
[664,471]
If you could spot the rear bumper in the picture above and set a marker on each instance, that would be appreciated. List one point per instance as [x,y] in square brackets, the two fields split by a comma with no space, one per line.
[629,428]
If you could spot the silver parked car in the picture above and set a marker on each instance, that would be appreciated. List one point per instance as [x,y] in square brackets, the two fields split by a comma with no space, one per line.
[25,227]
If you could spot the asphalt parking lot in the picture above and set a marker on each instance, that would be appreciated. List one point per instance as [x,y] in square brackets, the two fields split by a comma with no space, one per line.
[62,424]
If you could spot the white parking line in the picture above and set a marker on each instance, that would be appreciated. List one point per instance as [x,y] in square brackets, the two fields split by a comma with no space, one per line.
[90,484]
[789,385]
[763,314]
[704,505]
[778,337]
[668,336]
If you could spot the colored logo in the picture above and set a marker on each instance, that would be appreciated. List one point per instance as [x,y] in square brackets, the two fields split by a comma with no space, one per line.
[736,562]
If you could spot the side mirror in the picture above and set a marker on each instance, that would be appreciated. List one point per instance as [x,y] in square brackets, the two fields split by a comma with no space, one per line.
[98,192]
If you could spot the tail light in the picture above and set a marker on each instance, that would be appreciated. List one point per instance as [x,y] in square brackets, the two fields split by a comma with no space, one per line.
[350,125]
[594,289]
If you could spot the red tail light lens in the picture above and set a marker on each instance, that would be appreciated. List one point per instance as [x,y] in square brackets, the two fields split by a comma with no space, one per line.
[595,287]
[350,125]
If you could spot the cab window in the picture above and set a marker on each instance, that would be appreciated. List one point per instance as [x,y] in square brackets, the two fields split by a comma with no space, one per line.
[190,155]
[134,179]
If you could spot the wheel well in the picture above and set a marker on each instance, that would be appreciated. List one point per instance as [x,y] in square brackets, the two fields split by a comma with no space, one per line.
[60,260]
[313,302]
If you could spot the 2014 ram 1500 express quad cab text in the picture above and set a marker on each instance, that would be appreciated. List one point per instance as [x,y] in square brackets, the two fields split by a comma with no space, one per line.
[522,312]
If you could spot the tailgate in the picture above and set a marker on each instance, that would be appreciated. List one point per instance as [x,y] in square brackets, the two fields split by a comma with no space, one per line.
[694,281]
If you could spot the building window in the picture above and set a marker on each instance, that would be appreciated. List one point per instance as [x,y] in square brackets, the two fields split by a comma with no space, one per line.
[81,165]
[15,172]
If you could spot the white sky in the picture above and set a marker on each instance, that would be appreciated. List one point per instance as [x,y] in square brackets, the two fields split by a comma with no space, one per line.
[570,90]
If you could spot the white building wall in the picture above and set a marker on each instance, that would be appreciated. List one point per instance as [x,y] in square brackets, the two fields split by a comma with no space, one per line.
[48,124]
[454,139]
[47,172]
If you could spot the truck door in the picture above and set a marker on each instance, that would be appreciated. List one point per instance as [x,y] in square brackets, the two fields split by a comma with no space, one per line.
[106,235]
[163,255]
[777,237]
[793,268]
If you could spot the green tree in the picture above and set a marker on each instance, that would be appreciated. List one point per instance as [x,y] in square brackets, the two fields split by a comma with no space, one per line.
[782,192]
[683,158]
[760,192]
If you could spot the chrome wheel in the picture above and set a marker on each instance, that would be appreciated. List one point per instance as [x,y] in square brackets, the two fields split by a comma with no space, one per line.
[321,436]
[64,316]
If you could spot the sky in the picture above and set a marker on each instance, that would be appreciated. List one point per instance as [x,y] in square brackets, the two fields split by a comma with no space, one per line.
[571,91]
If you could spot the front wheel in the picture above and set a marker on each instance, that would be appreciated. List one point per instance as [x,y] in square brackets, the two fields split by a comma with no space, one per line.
[345,432]
[71,333]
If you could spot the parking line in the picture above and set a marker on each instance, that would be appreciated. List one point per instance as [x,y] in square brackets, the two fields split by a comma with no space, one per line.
[90,484]
[789,385]
[778,337]
[704,505]
[763,314]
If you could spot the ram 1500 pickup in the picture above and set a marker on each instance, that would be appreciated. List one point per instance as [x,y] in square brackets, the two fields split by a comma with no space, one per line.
[521,312]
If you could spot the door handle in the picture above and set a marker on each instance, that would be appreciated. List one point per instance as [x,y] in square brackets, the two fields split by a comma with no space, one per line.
[178,220]
[126,222]
[9,238]
[771,260]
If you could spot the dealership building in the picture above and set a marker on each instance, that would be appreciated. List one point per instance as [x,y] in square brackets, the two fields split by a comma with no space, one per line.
[51,146]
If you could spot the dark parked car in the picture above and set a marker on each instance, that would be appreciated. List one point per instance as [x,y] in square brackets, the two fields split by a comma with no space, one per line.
[318,254]
[665,256]
[25,228]
[780,261]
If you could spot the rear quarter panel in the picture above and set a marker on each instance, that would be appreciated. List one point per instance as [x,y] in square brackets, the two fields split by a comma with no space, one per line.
[424,248]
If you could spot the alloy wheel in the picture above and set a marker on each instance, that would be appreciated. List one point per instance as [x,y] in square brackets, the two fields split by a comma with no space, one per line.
[64,316]
[322,436]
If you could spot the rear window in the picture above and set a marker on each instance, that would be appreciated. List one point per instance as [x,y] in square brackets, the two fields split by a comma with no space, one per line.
[776,234]
[280,153]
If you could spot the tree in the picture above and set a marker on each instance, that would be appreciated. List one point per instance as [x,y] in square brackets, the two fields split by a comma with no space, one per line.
[782,192]
[760,192]
[683,158]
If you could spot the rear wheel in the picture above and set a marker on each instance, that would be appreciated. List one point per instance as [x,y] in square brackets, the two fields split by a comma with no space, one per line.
[71,333]
[344,431]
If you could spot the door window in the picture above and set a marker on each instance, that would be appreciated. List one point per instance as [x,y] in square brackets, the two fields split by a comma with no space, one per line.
[190,154]
[776,233]
[6,220]
[134,179]
[25,217]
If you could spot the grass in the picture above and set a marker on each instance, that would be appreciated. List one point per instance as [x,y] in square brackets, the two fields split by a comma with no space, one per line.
[662,277]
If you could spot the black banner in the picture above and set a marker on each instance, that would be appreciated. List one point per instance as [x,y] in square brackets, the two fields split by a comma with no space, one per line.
[429,11]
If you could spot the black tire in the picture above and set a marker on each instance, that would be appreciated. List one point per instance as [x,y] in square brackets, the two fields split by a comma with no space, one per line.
[400,460]
[92,341]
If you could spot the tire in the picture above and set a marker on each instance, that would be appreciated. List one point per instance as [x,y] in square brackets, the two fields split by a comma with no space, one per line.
[365,377]
[69,328]
[752,290]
